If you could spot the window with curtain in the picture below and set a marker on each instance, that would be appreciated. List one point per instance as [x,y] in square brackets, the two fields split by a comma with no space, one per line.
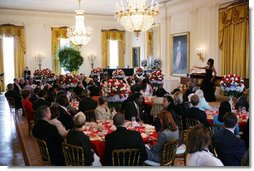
[113,54]
[64,43]
[107,37]
[234,39]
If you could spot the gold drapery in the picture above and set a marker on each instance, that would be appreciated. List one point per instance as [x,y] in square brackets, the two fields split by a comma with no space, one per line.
[2,88]
[57,33]
[149,43]
[112,35]
[8,30]
[234,39]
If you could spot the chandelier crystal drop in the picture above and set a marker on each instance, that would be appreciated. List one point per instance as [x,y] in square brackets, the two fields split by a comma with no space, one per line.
[79,34]
[136,17]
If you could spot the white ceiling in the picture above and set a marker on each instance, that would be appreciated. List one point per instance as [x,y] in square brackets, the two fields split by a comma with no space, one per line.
[101,7]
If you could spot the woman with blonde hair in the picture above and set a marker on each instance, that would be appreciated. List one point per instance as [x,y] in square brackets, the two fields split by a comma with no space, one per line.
[199,139]
[169,132]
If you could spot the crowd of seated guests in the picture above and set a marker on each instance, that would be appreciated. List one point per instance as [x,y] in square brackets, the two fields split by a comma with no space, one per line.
[50,106]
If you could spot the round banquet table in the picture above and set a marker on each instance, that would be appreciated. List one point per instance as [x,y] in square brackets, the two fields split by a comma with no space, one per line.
[242,116]
[98,131]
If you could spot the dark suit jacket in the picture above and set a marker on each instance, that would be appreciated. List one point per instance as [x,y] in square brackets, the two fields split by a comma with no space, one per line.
[242,102]
[16,88]
[87,104]
[49,133]
[65,119]
[16,96]
[80,139]
[130,110]
[229,148]
[40,102]
[196,113]
[122,139]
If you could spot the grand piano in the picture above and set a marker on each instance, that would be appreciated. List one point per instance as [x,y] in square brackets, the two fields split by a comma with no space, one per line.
[198,77]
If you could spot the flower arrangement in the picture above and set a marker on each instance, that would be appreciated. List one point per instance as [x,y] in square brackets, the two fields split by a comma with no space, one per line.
[144,63]
[139,71]
[232,85]
[156,64]
[156,77]
[46,75]
[96,71]
[67,81]
[118,73]
[116,90]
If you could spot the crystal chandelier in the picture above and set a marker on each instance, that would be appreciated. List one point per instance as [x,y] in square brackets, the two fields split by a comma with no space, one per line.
[79,34]
[137,17]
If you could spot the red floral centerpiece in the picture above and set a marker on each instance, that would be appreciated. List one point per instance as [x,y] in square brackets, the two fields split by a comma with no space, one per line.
[139,71]
[96,71]
[116,90]
[67,81]
[156,77]
[232,85]
[118,73]
[46,75]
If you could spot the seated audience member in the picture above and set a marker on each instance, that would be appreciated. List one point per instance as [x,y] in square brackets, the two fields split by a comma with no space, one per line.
[95,93]
[77,137]
[242,102]
[229,148]
[123,138]
[197,148]
[16,85]
[14,95]
[169,132]
[27,105]
[157,102]
[189,88]
[78,89]
[102,111]
[49,133]
[41,100]
[135,108]
[86,103]
[195,113]
[218,119]
[34,94]
[54,121]
[181,108]
[52,92]
[65,117]
[203,105]
[168,105]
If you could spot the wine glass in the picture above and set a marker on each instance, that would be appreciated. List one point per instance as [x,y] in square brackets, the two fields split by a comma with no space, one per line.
[133,119]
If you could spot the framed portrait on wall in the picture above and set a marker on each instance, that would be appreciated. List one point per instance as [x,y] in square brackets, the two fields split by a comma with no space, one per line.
[135,57]
[180,53]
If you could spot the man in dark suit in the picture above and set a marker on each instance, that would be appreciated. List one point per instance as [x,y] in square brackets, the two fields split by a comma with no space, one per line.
[229,148]
[136,108]
[41,100]
[49,133]
[14,95]
[123,139]
[27,74]
[17,87]
[65,117]
[86,103]
[195,113]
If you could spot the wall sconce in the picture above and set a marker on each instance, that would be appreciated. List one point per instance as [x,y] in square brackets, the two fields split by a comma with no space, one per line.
[200,53]
[91,59]
[39,58]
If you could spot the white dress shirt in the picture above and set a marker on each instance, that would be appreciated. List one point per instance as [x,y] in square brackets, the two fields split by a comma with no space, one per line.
[203,158]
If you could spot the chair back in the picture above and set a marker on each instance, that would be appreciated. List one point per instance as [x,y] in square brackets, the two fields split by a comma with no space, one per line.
[73,155]
[90,115]
[29,122]
[190,123]
[168,153]
[44,152]
[126,157]
[179,123]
